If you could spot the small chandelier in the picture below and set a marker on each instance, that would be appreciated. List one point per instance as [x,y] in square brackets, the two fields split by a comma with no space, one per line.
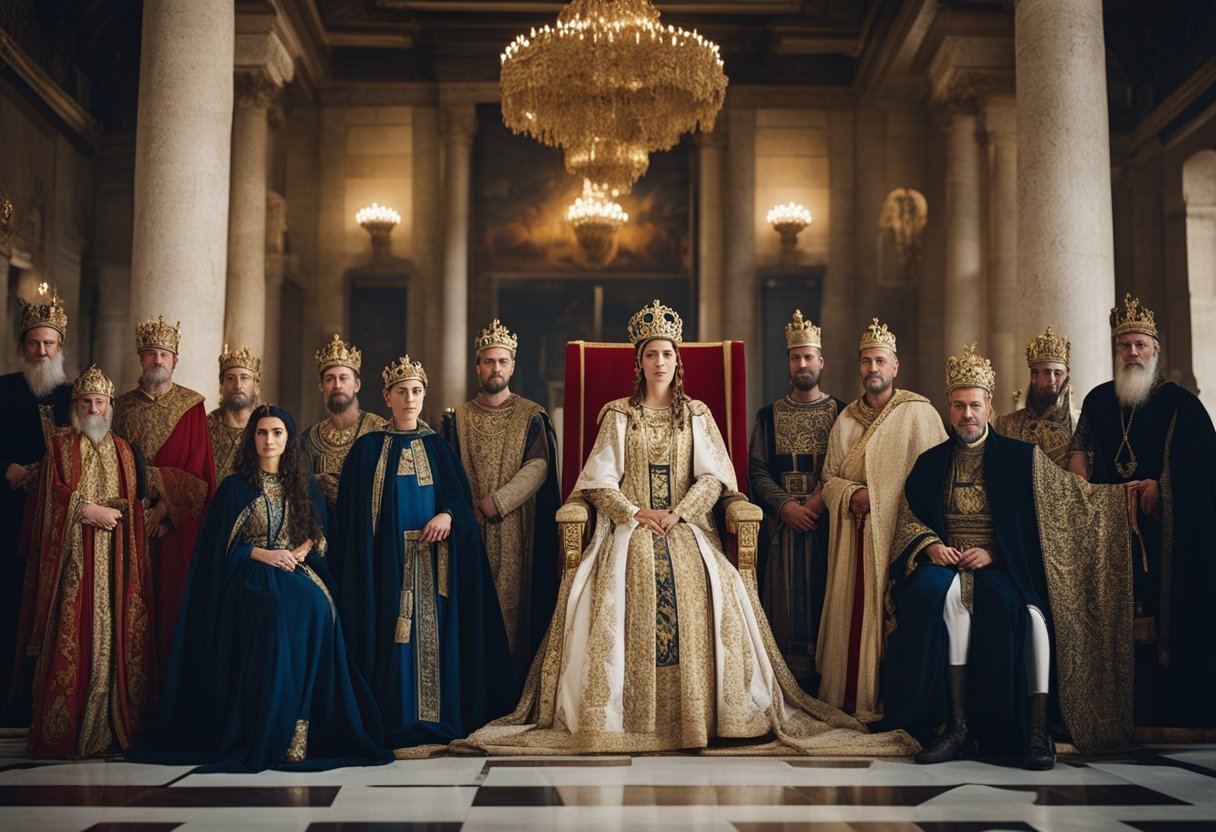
[379,221]
[788,220]
[8,226]
[595,219]
[609,84]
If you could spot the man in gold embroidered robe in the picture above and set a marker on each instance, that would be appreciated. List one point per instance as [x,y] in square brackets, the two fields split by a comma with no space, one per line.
[169,425]
[328,442]
[509,450]
[785,471]
[1048,419]
[88,592]
[240,385]
[873,445]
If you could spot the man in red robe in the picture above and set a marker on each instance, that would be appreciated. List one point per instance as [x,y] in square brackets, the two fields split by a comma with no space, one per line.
[86,609]
[169,425]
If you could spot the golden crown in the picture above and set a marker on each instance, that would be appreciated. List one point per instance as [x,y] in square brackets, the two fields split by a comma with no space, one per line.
[801,333]
[403,370]
[496,335]
[158,335]
[655,321]
[1048,347]
[969,369]
[877,336]
[44,312]
[91,381]
[1133,317]
[243,357]
[338,353]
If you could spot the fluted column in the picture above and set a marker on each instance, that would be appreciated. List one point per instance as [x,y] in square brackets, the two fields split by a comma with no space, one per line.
[263,66]
[182,142]
[964,300]
[459,123]
[709,234]
[1066,274]
[1000,126]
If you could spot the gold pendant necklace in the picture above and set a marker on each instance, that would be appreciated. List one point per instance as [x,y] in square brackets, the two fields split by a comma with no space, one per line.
[1127,470]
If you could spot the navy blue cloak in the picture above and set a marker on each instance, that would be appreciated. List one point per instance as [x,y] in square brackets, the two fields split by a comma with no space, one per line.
[914,675]
[257,648]
[468,679]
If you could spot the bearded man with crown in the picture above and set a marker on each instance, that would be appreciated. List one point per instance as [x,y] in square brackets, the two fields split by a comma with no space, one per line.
[415,591]
[1048,419]
[86,615]
[872,446]
[1142,428]
[509,450]
[788,448]
[37,404]
[1004,569]
[168,423]
[658,643]
[240,388]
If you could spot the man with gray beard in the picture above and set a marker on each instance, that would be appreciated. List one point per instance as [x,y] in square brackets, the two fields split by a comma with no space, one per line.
[37,404]
[328,442]
[240,389]
[1144,429]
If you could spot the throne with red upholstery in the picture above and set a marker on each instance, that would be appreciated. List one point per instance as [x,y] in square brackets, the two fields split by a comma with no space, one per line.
[714,373]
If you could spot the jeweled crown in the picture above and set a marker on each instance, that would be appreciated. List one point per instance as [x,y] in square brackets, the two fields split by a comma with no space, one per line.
[496,335]
[1048,347]
[1133,317]
[655,321]
[46,311]
[338,353]
[801,333]
[158,335]
[969,369]
[91,381]
[243,357]
[403,370]
[877,335]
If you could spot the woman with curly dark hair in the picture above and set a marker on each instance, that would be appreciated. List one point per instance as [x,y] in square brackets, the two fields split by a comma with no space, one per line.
[259,675]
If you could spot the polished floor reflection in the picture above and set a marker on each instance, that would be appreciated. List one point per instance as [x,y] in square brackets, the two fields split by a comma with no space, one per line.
[1157,789]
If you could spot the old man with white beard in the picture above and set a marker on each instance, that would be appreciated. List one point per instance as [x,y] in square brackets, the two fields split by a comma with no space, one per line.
[37,403]
[1142,428]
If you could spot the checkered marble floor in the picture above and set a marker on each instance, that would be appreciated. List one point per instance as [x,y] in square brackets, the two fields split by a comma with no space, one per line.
[1155,789]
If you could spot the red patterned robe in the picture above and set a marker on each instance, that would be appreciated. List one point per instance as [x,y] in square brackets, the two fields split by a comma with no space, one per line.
[86,612]
[171,431]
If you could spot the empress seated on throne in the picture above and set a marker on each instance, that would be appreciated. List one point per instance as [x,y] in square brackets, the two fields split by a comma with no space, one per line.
[657,642]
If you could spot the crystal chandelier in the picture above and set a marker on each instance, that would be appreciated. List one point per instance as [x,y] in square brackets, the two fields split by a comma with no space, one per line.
[788,220]
[609,84]
[595,219]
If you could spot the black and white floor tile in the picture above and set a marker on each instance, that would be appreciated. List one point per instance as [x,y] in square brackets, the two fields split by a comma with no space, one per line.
[1156,789]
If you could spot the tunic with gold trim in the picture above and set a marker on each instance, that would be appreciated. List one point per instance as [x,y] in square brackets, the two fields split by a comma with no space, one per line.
[421,620]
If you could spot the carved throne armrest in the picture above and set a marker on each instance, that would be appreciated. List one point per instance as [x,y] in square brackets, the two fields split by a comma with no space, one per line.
[743,521]
[571,527]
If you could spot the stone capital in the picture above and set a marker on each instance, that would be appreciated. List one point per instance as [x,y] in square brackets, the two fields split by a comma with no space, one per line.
[458,124]
[1000,118]
[254,89]
[262,67]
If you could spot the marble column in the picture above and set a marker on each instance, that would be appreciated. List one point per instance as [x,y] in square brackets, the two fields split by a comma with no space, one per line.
[1199,193]
[965,291]
[459,123]
[276,230]
[709,235]
[182,151]
[739,313]
[263,66]
[1004,341]
[1065,242]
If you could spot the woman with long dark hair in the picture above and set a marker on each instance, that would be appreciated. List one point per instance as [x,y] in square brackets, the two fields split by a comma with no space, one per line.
[259,674]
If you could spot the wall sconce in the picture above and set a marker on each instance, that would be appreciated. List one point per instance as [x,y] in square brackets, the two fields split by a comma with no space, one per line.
[788,220]
[379,221]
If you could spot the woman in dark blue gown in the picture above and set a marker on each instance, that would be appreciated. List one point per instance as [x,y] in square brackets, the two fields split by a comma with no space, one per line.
[259,675]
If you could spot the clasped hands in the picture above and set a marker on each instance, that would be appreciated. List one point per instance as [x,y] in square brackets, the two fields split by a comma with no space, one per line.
[804,516]
[659,521]
[156,520]
[282,558]
[973,558]
[100,517]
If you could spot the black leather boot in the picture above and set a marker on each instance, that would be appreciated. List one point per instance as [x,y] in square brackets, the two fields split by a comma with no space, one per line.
[954,741]
[1040,748]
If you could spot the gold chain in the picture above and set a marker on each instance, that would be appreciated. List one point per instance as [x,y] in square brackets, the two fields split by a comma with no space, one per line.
[1127,470]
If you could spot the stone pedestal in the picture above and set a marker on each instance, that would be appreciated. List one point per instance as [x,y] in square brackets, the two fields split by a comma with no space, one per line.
[458,124]
[179,248]
[965,291]
[1004,342]
[1065,243]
